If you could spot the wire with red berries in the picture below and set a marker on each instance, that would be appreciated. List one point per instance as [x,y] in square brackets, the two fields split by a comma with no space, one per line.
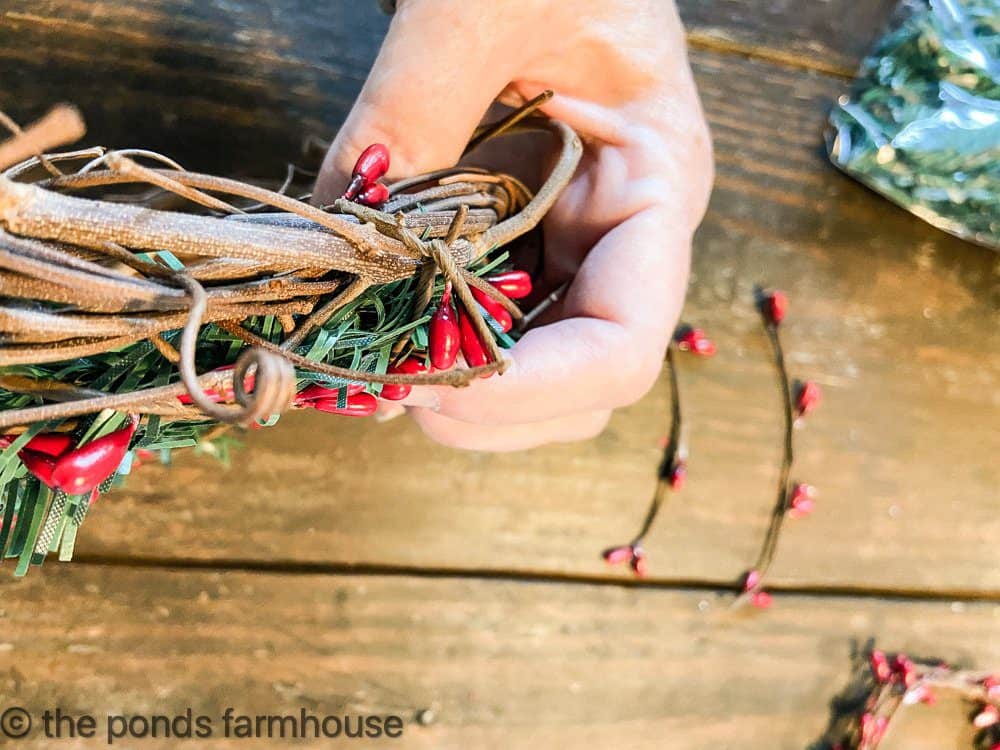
[672,472]
[795,500]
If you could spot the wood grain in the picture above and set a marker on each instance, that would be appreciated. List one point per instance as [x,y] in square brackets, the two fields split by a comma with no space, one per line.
[232,87]
[828,36]
[499,664]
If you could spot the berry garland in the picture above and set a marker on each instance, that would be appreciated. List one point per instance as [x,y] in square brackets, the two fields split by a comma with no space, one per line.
[795,499]
[884,684]
[112,307]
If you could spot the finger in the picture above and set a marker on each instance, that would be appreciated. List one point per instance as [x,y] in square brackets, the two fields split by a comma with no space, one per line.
[623,305]
[435,76]
[456,434]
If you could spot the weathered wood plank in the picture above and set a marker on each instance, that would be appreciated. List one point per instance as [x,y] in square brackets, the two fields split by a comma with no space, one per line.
[830,36]
[234,85]
[500,664]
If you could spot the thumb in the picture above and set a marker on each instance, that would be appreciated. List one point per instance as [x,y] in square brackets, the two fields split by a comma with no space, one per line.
[440,66]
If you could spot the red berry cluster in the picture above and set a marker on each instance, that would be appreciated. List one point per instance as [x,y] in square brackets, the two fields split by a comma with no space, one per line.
[55,461]
[885,683]
[632,554]
[694,340]
[759,598]
[364,186]
[451,329]
[449,333]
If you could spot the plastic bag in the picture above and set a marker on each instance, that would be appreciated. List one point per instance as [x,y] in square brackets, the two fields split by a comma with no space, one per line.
[922,122]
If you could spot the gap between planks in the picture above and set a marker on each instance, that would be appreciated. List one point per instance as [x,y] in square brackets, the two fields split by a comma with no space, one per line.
[700,40]
[290,567]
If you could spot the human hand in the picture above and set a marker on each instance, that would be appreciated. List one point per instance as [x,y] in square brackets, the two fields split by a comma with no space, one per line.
[621,230]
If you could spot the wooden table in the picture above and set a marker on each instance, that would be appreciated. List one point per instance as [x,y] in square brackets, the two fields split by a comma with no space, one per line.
[347,566]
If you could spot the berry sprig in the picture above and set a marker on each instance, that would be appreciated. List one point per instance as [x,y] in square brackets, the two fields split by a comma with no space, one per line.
[451,330]
[672,473]
[794,499]
[883,684]
[364,187]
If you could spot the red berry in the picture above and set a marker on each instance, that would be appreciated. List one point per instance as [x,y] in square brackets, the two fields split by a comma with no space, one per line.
[514,284]
[472,348]
[370,167]
[358,405]
[775,306]
[761,600]
[801,501]
[695,341]
[802,509]
[494,308]
[443,335]
[904,667]
[39,465]
[808,397]
[616,555]
[987,717]
[373,163]
[751,580]
[678,475]
[373,195]
[992,686]
[872,729]
[84,468]
[315,392]
[639,565]
[409,366]
[880,666]
[704,347]
[50,443]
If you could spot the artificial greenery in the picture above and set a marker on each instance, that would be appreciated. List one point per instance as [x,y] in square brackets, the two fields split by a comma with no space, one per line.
[922,122]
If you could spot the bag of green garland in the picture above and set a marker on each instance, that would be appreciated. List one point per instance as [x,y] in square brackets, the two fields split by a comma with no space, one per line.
[921,125]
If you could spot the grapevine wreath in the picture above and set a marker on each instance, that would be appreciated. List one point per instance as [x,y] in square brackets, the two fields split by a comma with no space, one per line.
[126,328]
